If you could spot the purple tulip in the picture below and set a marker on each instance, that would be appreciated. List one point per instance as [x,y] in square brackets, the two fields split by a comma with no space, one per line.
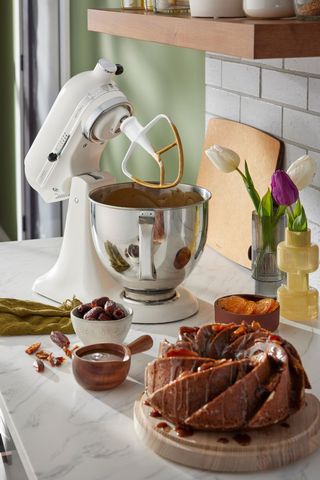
[284,191]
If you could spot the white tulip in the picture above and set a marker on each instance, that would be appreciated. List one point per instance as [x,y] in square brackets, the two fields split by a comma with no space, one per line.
[302,171]
[224,159]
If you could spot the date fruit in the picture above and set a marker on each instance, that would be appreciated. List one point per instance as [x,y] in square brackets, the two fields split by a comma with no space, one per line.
[109,307]
[102,309]
[60,339]
[84,308]
[93,314]
[99,302]
[38,365]
[118,313]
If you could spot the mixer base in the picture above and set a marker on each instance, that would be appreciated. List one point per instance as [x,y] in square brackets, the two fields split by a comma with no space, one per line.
[182,305]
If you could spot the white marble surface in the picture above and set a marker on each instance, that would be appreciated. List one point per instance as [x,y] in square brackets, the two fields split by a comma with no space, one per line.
[63,432]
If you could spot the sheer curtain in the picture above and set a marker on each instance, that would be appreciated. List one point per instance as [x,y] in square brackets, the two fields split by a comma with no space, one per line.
[44,27]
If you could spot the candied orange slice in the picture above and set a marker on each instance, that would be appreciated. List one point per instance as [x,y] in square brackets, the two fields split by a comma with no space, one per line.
[263,306]
[249,307]
[274,306]
[234,304]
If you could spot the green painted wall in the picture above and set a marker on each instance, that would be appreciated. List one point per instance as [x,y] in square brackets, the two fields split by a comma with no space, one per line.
[156,79]
[7,162]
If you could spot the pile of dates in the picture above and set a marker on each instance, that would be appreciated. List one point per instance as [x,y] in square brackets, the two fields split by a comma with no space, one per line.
[102,308]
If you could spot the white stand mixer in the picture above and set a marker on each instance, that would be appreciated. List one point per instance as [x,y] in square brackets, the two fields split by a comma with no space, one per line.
[63,162]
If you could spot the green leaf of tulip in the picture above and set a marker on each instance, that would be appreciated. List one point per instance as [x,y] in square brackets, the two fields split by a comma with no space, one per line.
[299,223]
[266,205]
[297,209]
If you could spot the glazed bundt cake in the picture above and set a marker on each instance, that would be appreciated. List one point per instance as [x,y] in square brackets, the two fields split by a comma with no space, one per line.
[226,377]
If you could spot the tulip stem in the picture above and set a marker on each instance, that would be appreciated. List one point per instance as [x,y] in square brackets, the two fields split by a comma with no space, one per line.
[250,189]
[242,174]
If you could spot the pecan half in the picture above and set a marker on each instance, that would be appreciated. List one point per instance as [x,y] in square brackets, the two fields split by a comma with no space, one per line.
[55,361]
[33,348]
[42,355]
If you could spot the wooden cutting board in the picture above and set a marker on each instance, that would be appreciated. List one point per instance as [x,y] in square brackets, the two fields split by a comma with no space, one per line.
[230,207]
[252,451]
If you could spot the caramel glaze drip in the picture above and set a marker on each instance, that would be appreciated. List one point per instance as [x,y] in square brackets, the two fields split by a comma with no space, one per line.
[242,438]
[183,431]
[155,413]
[163,426]
[223,440]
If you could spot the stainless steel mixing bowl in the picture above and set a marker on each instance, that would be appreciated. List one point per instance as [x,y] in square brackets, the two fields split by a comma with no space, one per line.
[149,251]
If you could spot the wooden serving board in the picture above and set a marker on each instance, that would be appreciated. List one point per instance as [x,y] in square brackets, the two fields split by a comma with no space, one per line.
[231,206]
[270,447]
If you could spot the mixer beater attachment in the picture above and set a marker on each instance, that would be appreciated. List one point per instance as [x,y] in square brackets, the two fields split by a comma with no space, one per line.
[137,134]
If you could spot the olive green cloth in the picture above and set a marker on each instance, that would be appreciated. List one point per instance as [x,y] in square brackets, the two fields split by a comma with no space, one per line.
[25,317]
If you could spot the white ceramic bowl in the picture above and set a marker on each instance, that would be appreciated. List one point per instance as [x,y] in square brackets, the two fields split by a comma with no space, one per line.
[101,331]
[268,8]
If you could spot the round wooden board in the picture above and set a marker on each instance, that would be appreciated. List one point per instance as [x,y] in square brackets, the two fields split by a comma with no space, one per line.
[270,447]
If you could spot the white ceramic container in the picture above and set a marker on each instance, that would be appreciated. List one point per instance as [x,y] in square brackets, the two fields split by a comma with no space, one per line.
[101,331]
[268,8]
[216,8]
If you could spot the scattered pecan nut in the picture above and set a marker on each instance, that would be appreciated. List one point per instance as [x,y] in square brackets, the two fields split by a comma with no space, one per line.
[42,355]
[33,348]
[68,352]
[55,361]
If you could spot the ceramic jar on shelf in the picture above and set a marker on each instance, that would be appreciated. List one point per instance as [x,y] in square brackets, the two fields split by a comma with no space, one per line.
[269,8]
[298,257]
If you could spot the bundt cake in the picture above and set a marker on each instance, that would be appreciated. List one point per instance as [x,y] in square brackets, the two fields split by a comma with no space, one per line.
[226,377]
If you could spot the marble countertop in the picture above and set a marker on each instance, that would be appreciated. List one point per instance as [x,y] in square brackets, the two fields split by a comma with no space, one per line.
[63,432]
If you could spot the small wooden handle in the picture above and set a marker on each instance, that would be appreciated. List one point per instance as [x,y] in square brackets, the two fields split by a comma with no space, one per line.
[141,344]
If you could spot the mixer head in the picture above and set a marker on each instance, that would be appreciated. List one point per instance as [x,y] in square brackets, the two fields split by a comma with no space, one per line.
[138,136]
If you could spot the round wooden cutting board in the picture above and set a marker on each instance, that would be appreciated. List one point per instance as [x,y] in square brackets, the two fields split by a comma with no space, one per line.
[250,451]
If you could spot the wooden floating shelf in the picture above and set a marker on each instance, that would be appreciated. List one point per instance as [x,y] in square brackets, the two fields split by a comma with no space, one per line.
[240,37]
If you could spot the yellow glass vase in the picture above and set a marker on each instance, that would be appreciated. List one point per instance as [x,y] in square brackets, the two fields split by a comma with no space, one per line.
[298,257]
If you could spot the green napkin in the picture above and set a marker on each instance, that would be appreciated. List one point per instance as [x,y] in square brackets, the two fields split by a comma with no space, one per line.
[25,317]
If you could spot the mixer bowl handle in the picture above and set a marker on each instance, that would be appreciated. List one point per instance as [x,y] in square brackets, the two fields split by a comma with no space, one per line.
[146,264]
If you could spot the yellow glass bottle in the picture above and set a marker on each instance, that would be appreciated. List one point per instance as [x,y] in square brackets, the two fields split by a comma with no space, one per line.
[298,257]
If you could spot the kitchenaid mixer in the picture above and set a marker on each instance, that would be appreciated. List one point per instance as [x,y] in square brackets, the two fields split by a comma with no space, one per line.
[63,162]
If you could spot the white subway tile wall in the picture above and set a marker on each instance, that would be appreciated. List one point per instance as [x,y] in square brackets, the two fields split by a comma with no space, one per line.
[284,88]
[314,94]
[241,77]
[262,115]
[278,96]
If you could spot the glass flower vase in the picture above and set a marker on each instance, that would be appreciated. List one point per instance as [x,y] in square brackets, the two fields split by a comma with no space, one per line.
[298,257]
[266,234]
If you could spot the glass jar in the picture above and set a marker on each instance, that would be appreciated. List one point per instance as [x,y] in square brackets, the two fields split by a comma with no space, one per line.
[171,6]
[307,9]
[266,234]
[268,8]
[148,5]
[132,4]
